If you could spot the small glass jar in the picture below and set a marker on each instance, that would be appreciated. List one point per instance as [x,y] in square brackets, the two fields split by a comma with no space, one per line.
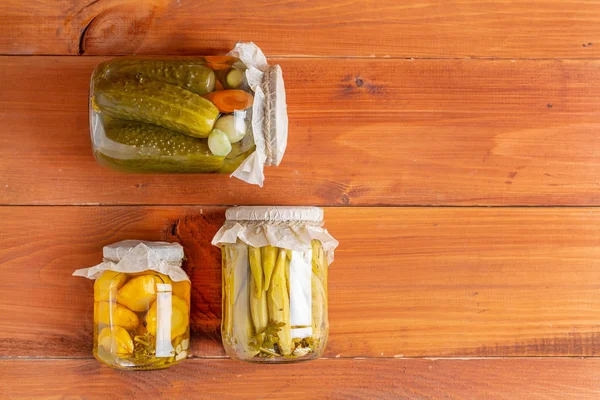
[275,262]
[141,305]
[189,114]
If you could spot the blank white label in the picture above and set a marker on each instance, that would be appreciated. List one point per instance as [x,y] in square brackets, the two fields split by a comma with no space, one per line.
[164,348]
[301,294]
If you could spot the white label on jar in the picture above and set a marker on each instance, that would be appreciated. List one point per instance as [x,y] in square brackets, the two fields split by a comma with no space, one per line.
[164,308]
[301,294]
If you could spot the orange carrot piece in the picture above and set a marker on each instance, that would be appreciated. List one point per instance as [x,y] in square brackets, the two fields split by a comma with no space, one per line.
[227,101]
[220,59]
[218,85]
[217,67]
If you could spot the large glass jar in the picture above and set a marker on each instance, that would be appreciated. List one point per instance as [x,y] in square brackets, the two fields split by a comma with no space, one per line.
[275,262]
[141,305]
[212,114]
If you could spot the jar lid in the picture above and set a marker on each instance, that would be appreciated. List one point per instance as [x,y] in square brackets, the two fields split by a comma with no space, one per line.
[269,113]
[274,213]
[276,118]
[164,250]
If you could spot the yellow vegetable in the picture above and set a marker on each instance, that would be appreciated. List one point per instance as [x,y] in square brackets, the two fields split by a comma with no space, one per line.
[109,282]
[108,313]
[258,308]
[279,304]
[139,292]
[319,307]
[182,290]
[162,277]
[116,340]
[180,318]
[256,268]
[269,256]
[228,294]
[319,263]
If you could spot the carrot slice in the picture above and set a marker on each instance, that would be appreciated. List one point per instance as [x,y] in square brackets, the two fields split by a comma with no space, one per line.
[217,67]
[227,101]
[218,85]
[220,59]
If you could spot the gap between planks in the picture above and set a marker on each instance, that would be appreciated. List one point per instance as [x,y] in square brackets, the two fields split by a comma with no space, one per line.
[313,57]
[396,357]
[300,205]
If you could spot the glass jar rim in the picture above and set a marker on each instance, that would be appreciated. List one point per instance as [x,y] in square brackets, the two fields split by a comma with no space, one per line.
[170,252]
[275,214]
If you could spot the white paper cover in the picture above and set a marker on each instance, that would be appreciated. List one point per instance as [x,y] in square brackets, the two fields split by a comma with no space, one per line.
[290,228]
[269,113]
[133,256]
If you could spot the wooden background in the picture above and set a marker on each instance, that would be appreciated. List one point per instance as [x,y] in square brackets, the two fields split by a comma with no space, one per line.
[454,144]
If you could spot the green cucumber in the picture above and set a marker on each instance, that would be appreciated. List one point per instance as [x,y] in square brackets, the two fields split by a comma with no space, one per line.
[188,74]
[156,103]
[138,147]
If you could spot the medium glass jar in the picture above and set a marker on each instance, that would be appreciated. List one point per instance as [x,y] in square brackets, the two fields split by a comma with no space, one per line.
[189,114]
[141,305]
[275,262]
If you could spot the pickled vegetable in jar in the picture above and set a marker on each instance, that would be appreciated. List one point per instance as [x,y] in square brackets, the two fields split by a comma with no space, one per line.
[212,114]
[141,305]
[275,262]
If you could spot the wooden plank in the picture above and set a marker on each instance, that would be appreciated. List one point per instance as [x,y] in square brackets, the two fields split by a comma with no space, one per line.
[339,379]
[383,28]
[362,132]
[406,281]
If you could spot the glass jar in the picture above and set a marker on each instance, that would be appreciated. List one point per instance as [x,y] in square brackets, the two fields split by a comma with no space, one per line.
[210,114]
[275,262]
[141,305]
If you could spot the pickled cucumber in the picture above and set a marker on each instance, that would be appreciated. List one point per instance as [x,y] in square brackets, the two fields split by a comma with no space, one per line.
[188,74]
[156,149]
[232,163]
[156,103]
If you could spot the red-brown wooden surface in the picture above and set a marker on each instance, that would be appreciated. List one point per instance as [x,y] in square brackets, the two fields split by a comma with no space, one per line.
[452,104]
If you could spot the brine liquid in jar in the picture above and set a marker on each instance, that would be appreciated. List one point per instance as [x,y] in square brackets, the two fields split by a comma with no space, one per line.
[141,320]
[275,306]
[179,114]
[141,315]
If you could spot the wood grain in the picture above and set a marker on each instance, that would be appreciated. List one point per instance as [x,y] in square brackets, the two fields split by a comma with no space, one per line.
[362,132]
[391,103]
[382,28]
[406,281]
[337,379]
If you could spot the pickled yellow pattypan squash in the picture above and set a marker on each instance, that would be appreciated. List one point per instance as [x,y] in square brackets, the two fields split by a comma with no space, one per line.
[161,278]
[182,290]
[116,315]
[109,281]
[179,318]
[140,292]
[116,340]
